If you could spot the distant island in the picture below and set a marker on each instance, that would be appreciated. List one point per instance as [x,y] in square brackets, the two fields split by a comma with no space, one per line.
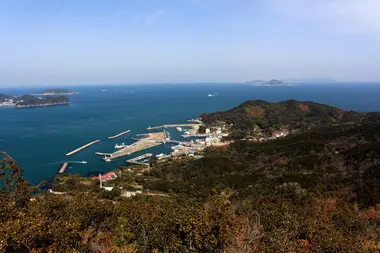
[55,92]
[272,82]
[256,82]
[28,101]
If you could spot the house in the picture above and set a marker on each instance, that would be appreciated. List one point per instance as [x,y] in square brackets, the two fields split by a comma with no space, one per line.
[108,176]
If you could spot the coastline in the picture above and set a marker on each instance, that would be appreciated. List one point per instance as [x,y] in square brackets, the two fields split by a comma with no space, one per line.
[41,105]
[55,94]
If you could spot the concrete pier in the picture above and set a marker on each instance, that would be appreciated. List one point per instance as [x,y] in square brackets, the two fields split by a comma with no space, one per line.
[63,168]
[135,147]
[81,148]
[120,134]
[150,140]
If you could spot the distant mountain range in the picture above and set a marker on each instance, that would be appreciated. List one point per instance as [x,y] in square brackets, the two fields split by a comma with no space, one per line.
[288,81]
[272,82]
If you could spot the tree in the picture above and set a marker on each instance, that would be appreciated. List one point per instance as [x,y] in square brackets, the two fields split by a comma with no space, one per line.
[202,129]
[153,161]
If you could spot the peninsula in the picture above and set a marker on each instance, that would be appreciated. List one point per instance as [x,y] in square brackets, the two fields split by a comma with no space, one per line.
[55,92]
[28,101]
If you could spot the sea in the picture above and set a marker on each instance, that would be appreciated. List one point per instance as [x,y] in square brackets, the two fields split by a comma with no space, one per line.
[39,138]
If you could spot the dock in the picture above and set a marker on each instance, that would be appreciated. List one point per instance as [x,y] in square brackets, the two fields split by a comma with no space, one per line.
[135,160]
[173,125]
[174,141]
[120,134]
[102,154]
[63,168]
[81,148]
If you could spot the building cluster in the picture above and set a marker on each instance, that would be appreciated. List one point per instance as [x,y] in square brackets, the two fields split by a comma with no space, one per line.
[8,102]
[212,136]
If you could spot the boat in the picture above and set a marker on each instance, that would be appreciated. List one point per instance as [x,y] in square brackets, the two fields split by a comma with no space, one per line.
[120,146]
[107,159]
[104,90]
[160,155]
[84,162]
[179,129]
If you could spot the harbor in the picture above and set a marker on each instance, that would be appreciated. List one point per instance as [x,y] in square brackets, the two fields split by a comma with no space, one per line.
[81,148]
[145,141]
[120,134]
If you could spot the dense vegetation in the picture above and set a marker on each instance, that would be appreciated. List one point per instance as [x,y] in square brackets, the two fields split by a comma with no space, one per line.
[4,97]
[315,191]
[32,101]
[56,91]
[291,114]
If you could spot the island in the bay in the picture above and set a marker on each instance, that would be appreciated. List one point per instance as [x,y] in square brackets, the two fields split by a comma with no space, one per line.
[55,92]
[272,82]
[28,101]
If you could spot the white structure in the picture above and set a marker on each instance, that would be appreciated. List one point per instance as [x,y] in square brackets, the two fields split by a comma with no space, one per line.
[129,194]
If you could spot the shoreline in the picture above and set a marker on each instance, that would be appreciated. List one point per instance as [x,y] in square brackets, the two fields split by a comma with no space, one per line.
[54,94]
[32,106]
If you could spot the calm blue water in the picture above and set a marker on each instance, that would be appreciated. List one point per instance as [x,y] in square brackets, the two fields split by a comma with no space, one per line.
[39,138]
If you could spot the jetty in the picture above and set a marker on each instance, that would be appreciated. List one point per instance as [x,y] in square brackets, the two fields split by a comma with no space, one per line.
[174,125]
[136,159]
[63,168]
[81,148]
[135,147]
[120,134]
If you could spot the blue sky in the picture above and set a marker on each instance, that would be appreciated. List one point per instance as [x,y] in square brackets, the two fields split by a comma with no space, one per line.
[61,42]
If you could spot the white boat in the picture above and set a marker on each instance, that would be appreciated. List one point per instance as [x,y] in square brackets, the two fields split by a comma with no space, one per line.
[84,162]
[120,146]
[104,90]
[107,159]
[160,155]
[179,129]
[212,95]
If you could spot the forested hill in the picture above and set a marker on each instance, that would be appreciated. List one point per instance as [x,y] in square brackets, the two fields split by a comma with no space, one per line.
[311,191]
[290,114]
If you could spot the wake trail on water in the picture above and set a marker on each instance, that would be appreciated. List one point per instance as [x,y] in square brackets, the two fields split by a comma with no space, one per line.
[79,162]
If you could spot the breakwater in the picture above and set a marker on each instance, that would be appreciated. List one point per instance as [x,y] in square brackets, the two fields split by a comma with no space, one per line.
[173,125]
[81,148]
[120,134]
[63,168]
